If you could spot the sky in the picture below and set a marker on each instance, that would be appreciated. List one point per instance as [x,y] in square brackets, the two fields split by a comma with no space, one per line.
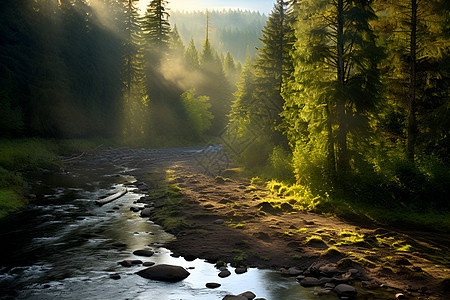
[263,6]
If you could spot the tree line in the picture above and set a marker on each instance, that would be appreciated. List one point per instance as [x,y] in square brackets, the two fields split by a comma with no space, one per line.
[350,99]
[236,31]
[81,69]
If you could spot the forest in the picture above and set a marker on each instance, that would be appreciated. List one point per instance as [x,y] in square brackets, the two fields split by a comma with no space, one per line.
[305,148]
[343,101]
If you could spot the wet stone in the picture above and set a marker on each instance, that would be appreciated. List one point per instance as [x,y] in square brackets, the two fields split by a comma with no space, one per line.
[240,270]
[224,274]
[248,295]
[309,281]
[213,285]
[148,264]
[146,253]
[345,290]
[114,276]
[294,271]
[167,273]
[119,245]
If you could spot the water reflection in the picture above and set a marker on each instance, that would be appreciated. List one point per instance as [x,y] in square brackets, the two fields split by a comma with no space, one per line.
[63,249]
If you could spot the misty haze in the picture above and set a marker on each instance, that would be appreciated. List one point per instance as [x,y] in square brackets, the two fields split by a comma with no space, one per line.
[211,149]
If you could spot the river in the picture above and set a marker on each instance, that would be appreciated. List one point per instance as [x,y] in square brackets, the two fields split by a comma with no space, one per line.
[62,246]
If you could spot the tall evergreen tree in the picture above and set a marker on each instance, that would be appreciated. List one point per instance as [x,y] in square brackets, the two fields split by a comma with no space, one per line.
[336,82]
[415,68]
[191,56]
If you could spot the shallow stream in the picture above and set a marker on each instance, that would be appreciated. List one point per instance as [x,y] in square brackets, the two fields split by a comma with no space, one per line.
[62,247]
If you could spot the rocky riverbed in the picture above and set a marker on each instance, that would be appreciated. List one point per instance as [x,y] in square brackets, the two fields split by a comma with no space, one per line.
[217,215]
[225,219]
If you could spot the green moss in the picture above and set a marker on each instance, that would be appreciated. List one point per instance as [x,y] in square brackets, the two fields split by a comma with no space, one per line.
[240,259]
[314,239]
[220,263]
[10,201]
[175,225]
[350,237]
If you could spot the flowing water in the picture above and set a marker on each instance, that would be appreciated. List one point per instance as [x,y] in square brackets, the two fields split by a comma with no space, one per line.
[62,247]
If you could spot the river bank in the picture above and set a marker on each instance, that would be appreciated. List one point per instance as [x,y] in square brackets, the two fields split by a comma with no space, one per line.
[226,219]
[229,220]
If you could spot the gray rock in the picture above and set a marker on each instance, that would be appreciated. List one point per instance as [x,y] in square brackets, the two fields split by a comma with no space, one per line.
[114,276]
[224,274]
[240,270]
[323,281]
[329,285]
[248,295]
[146,212]
[294,271]
[119,245]
[309,281]
[146,253]
[129,263]
[233,297]
[345,290]
[219,222]
[213,285]
[168,273]
[328,270]
[223,268]
[353,271]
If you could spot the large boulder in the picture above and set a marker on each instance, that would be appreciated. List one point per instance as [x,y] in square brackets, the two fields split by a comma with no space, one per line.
[345,290]
[168,273]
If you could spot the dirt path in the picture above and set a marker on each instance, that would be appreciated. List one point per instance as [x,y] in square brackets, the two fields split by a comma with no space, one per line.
[230,220]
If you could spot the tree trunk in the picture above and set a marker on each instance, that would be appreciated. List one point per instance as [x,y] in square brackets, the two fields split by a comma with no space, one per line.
[412,126]
[341,137]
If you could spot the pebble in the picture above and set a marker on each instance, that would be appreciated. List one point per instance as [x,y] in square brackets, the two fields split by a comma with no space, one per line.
[213,285]
[224,274]
[146,253]
[248,295]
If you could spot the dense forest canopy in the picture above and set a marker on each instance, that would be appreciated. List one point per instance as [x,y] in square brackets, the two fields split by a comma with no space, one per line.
[344,99]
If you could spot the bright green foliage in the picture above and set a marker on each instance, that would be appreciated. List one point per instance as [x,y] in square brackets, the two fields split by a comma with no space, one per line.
[255,112]
[197,109]
[191,58]
[231,69]
[417,74]
[335,85]
[215,85]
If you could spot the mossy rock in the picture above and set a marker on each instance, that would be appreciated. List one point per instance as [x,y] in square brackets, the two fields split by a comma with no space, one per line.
[268,208]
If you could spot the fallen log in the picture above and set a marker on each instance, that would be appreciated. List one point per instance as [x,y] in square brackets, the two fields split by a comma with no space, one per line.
[111,198]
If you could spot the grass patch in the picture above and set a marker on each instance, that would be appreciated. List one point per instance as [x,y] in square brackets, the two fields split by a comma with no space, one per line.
[350,238]
[240,259]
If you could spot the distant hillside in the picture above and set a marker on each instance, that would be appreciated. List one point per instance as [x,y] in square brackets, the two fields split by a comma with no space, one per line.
[232,30]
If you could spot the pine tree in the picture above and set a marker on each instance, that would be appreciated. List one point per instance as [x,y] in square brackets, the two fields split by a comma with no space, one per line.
[418,49]
[176,45]
[191,56]
[156,26]
[336,80]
